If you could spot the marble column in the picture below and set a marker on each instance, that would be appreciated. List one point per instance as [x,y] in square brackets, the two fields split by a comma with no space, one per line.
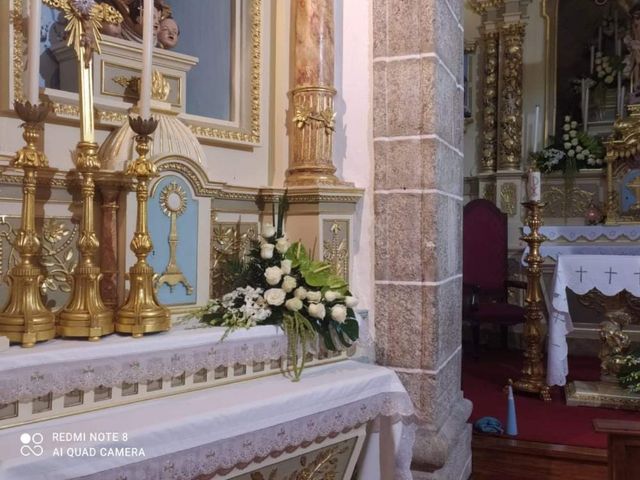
[490,48]
[510,150]
[109,245]
[418,163]
[313,115]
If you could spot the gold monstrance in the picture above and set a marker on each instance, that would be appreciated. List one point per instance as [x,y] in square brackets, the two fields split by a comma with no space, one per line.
[86,314]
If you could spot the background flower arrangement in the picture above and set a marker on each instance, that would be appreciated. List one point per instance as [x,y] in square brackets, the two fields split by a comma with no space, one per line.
[571,152]
[629,375]
[279,283]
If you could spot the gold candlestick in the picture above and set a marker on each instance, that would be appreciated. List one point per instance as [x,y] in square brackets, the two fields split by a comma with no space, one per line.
[142,313]
[533,378]
[25,319]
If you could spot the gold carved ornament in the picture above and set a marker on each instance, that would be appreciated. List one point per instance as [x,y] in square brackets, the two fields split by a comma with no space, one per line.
[489,192]
[305,115]
[336,251]
[511,97]
[482,6]
[508,198]
[160,87]
[490,103]
[230,243]
[563,203]
[323,466]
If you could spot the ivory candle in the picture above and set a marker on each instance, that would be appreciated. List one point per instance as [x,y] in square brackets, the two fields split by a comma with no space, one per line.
[147,59]
[534,181]
[536,129]
[33,52]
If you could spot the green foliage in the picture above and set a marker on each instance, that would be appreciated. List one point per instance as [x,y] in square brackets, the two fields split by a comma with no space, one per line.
[629,375]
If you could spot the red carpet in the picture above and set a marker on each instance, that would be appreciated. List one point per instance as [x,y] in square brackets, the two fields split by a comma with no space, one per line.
[483,381]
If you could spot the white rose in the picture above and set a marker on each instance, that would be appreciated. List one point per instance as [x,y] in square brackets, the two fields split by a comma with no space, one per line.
[268,230]
[567,145]
[567,118]
[565,137]
[317,310]
[282,245]
[293,304]
[300,293]
[289,283]
[574,124]
[586,152]
[275,296]
[266,251]
[350,301]
[571,153]
[579,148]
[574,141]
[314,296]
[573,134]
[273,275]
[331,296]
[339,313]
[285,266]
[567,127]
[580,156]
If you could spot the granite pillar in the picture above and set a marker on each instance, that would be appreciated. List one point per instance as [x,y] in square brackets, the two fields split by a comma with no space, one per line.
[418,129]
[313,115]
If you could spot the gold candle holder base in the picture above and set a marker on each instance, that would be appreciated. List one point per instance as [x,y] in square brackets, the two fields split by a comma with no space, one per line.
[533,378]
[25,319]
[142,313]
[86,315]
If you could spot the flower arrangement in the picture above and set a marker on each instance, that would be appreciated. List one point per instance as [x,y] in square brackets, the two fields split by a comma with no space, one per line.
[629,375]
[279,284]
[606,68]
[573,151]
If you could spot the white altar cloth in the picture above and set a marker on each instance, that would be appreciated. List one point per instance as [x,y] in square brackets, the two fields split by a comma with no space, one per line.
[201,432]
[581,273]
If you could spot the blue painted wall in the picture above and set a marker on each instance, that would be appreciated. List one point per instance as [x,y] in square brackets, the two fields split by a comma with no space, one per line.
[187,251]
[205,32]
[628,197]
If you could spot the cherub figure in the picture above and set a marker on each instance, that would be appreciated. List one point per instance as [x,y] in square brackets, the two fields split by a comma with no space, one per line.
[168,34]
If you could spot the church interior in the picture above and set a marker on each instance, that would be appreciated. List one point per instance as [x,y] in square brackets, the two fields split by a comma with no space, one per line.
[319,239]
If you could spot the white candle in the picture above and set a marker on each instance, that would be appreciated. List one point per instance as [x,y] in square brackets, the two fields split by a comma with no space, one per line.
[536,129]
[585,120]
[622,94]
[147,59]
[33,52]
[534,180]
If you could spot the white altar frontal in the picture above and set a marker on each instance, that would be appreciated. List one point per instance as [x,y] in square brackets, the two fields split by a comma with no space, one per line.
[610,274]
[184,405]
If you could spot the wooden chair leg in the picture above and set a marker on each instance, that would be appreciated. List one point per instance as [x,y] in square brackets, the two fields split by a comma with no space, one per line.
[475,330]
[504,336]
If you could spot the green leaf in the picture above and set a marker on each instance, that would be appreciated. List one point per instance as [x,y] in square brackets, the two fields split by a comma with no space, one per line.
[328,341]
[351,328]
[298,255]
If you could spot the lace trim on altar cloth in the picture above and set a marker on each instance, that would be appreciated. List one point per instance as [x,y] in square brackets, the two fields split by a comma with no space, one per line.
[222,456]
[27,383]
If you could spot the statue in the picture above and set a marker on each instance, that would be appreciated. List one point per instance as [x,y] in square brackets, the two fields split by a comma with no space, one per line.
[632,42]
[168,34]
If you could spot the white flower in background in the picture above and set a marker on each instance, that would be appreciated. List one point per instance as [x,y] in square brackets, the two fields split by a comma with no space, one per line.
[586,152]
[580,156]
[565,137]
[574,142]
[578,148]
[331,296]
[273,275]
[289,283]
[282,245]
[573,134]
[567,145]
[571,153]
[567,118]
[317,310]
[314,296]
[591,161]
[268,230]
[350,301]
[275,296]
[300,293]
[574,124]
[266,251]
[608,79]
[285,266]
[339,313]
[566,127]
[294,304]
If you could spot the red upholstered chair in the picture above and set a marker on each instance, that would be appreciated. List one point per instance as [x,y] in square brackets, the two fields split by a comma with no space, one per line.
[484,271]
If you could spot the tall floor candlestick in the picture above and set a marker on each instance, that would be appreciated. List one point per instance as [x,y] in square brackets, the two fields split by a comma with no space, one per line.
[147,59]
[142,313]
[25,319]
[533,378]
[33,52]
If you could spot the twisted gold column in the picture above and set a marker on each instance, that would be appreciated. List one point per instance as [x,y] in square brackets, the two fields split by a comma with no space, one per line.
[511,97]
[490,103]
[25,319]
[142,313]
[533,378]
